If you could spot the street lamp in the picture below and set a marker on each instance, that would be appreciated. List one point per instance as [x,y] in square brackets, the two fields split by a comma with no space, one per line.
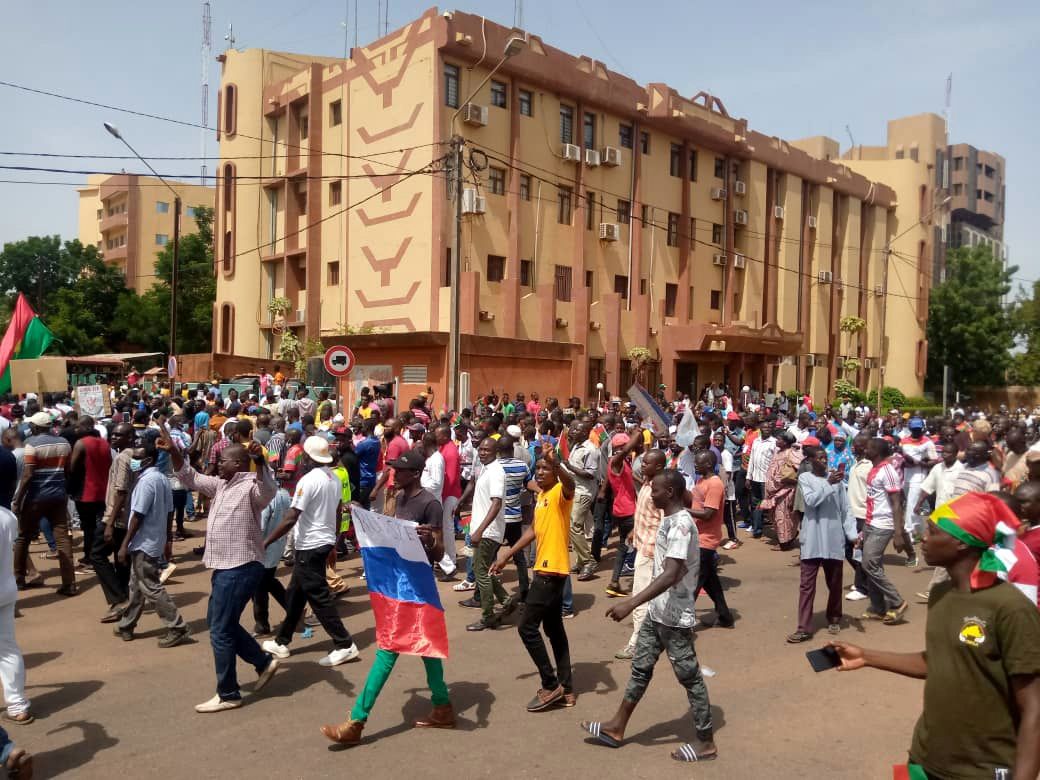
[114,132]
[513,46]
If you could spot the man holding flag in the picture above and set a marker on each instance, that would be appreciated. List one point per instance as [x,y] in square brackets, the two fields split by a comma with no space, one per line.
[409,615]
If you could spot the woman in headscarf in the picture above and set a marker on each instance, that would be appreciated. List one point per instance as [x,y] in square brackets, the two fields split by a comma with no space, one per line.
[781,481]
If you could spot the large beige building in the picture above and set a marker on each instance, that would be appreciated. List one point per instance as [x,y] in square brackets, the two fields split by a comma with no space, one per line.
[129,218]
[600,215]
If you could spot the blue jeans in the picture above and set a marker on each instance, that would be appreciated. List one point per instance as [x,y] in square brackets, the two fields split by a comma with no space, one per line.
[568,596]
[48,533]
[470,575]
[6,745]
[232,590]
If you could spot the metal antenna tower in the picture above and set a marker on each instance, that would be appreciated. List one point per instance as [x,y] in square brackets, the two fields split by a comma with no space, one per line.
[206,55]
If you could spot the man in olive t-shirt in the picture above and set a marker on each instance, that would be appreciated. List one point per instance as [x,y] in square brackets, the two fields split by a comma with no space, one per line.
[981,663]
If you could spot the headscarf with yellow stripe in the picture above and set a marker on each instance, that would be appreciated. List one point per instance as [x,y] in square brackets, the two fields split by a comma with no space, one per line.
[984,522]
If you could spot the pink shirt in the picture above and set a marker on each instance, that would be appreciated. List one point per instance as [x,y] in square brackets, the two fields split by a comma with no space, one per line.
[397,447]
[533,407]
[624,490]
[452,471]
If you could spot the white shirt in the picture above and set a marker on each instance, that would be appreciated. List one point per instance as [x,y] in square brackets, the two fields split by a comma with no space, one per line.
[727,475]
[687,467]
[491,484]
[586,457]
[918,449]
[317,497]
[432,478]
[800,434]
[940,481]
[761,456]
[8,532]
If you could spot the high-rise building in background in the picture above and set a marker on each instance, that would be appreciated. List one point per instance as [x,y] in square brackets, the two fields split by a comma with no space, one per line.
[599,216]
[129,218]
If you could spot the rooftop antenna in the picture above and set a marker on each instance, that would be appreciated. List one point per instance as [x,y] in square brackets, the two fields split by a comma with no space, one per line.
[230,37]
[518,13]
[206,53]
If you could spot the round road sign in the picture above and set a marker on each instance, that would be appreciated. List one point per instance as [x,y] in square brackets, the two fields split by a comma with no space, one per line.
[339,361]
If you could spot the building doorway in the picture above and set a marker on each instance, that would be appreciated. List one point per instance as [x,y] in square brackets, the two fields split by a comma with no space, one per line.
[686,378]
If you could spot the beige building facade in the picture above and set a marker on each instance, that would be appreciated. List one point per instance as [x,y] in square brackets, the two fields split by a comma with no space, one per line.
[600,216]
[129,218]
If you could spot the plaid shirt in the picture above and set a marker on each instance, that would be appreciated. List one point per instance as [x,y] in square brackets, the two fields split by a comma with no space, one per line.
[647,521]
[233,535]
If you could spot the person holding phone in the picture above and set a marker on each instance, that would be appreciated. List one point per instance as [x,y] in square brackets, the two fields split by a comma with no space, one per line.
[827,522]
[981,660]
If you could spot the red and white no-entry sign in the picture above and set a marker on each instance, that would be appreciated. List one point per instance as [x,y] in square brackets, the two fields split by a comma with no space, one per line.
[339,361]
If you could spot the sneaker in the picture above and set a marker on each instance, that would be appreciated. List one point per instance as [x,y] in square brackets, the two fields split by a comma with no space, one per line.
[568,614]
[463,586]
[466,552]
[266,674]
[472,603]
[216,704]
[340,656]
[166,573]
[126,634]
[174,638]
[588,572]
[614,590]
[834,628]
[624,654]
[855,595]
[275,649]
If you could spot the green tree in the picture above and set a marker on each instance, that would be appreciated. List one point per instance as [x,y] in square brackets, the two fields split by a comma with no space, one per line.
[147,319]
[1025,365]
[969,328]
[40,266]
[81,316]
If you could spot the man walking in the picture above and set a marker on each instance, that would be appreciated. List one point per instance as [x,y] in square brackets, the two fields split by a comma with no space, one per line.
[884,505]
[709,497]
[147,542]
[235,553]
[315,511]
[112,575]
[487,535]
[669,624]
[584,466]
[762,450]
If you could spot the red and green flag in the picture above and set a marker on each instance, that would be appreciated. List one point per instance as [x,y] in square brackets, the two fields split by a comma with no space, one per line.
[26,337]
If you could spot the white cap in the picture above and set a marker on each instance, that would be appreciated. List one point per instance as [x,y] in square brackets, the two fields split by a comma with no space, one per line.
[514,431]
[317,449]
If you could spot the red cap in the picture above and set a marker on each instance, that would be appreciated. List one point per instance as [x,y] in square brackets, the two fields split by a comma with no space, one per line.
[732,416]
[810,441]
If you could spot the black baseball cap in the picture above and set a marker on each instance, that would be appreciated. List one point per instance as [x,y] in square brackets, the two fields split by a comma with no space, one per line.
[410,461]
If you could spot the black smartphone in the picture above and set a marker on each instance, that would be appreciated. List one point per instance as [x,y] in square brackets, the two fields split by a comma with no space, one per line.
[823,659]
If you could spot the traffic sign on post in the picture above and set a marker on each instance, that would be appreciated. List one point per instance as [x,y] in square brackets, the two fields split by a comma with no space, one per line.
[339,361]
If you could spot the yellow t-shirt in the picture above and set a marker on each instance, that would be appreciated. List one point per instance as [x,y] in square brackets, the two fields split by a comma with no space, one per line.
[648,437]
[552,523]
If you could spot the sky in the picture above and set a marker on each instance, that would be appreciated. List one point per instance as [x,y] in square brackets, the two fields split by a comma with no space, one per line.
[792,69]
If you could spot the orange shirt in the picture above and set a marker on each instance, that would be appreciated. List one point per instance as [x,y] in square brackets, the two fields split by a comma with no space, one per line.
[710,493]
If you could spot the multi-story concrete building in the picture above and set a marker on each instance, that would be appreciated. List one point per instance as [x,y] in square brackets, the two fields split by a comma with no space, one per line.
[129,218]
[978,191]
[599,216]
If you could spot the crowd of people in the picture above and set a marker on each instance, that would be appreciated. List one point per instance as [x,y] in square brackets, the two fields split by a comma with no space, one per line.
[550,489]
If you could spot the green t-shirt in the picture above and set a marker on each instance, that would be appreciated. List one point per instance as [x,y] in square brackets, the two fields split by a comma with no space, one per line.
[975,643]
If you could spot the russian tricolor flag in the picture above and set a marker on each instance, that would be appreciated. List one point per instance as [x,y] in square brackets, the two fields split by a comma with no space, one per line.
[408,610]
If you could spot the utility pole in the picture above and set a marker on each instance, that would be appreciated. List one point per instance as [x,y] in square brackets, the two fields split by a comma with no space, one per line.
[455,334]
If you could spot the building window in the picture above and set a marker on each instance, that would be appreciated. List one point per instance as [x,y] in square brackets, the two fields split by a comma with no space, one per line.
[716,234]
[644,142]
[625,136]
[673,229]
[642,286]
[899,154]
[624,212]
[526,273]
[227,328]
[498,94]
[162,239]
[989,171]
[526,102]
[589,276]
[589,131]
[334,273]
[671,296]
[987,196]
[978,194]
[229,185]
[305,127]
[644,216]
[689,305]
[590,210]
[301,203]
[335,113]
[100,213]
[913,153]
[720,168]
[335,193]
[716,299]
[230,109]
[190,211]
[497,181]
[229,252]
[566,124]
[562,283]
[675,160]
[958,188]
[525,186]
[621,286]
[162,207]
[451,85]
[496,268]
[958,163]
[693,165]
[446,275]
[563,212]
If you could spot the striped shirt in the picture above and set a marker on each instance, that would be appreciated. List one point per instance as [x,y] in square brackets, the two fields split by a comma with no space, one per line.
[647,521]
[48,456]
[516,477]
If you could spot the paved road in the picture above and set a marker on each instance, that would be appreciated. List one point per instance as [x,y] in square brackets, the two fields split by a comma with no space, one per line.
[106,708]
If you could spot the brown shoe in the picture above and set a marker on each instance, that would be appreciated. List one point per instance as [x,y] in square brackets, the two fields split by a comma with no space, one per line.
[569,699]
[440,717]
[348,733]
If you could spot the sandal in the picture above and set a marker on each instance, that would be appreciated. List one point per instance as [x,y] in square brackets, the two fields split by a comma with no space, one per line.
[21,719]
[595,728]
[686,752]
[732,544]
[894,616]
[465,585]
[798,636]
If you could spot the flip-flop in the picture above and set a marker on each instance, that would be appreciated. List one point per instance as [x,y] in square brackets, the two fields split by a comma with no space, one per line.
[595,728]
[685,752]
